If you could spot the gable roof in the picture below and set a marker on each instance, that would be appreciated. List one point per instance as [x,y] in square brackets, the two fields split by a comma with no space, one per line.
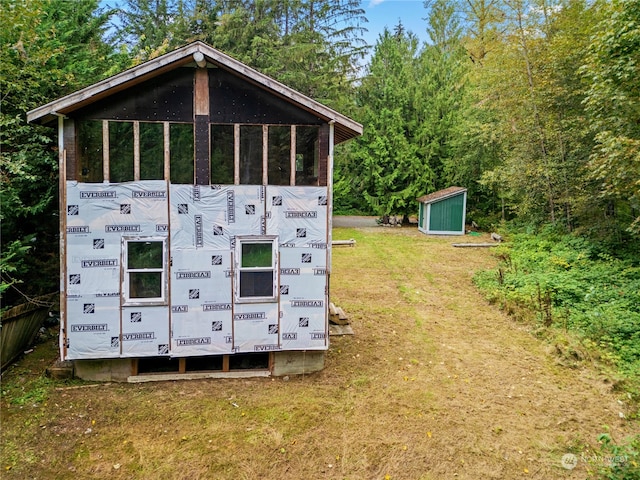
[441,194]
[345,128]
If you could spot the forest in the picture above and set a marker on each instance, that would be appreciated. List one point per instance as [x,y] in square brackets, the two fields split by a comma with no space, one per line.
[532,105]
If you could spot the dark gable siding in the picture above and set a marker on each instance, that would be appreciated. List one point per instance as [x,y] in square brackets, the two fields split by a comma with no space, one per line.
[169,97]
[235,100]
[165,98]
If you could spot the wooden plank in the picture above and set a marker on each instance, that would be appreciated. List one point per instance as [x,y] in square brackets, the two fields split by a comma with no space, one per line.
[20,326]
[201,92]
[201,127]
[182,365]
[105,150]
[323,155]
[292,174]
[265,155]
[480,245]
[69,146]
[62,205]
[160,377]
[136,151]
[351,242]
[236,154]
[167,151]
[225,363]
[337,315]
[335,330]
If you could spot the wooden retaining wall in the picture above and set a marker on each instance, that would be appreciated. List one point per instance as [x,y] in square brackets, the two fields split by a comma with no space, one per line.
[20,326]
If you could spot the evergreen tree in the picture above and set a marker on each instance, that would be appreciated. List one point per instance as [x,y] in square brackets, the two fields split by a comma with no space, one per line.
[48,48]
[386,167]
[440,97]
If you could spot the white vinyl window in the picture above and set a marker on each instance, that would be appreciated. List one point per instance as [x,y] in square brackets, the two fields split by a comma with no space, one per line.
[256,279]
[145,271]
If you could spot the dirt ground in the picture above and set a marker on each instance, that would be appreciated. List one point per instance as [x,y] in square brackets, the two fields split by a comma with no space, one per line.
[435,384]
[354,221]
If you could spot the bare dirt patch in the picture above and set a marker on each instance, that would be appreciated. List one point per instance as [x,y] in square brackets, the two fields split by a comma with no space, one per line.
[435,383]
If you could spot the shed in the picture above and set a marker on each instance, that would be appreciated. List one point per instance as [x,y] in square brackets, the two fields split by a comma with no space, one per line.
[195,200]
[443,212]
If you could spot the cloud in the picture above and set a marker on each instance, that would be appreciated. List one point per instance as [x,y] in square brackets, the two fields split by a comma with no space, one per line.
[373,3]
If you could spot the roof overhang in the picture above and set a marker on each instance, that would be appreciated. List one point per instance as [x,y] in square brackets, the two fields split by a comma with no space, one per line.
[344,127]
[441,194]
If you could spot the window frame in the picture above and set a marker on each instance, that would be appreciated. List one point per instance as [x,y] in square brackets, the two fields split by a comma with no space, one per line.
[127,300]
[239,269]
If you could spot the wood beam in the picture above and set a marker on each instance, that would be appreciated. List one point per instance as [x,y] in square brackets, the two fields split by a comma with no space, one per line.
[202,137]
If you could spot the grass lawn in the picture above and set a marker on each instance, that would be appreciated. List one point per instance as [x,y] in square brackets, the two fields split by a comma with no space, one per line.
[435,383]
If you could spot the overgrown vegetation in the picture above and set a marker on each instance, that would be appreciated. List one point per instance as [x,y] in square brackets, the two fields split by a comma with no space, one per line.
[564,284]
[618,461]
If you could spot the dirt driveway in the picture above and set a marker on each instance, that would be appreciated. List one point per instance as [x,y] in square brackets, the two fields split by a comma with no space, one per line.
[353,221]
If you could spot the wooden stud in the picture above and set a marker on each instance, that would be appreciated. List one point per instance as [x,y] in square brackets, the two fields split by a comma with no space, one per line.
[135,367]
[225,363]
[292,180]
[271,361]
[202,138]
[182,365]
[70,148]
[62,205]
[236,154]
[233,323]
[136,151]
[167,151]
[323,155]
[105,151]
[265,154]
[122,293]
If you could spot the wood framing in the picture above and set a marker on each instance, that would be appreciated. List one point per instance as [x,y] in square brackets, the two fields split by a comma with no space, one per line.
[162,267]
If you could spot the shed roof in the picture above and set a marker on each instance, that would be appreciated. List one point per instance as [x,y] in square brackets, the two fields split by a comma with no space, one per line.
[441,194]
[345,128]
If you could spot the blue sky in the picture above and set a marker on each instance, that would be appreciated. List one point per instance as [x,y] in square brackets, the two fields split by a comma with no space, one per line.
[381,13]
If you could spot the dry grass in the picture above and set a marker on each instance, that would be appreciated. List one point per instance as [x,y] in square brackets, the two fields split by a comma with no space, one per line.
[436,383]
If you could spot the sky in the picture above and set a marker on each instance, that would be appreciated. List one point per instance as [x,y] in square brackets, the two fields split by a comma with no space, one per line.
[381,13]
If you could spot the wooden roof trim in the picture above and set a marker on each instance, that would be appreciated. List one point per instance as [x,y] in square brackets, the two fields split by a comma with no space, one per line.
[177,58]
[441,194]
[113,84]
[234,66]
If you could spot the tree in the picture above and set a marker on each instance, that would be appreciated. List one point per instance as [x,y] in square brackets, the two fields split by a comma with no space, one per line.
[530,86]
[147,27]
[441,93]
[386,168]
[48,48]
[613,104]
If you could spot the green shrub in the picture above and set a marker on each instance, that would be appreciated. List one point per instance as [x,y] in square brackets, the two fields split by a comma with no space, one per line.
[566,282]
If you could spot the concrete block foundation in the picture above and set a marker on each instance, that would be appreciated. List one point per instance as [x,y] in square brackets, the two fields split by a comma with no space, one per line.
[297,363]
[107,370]
[125,369]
